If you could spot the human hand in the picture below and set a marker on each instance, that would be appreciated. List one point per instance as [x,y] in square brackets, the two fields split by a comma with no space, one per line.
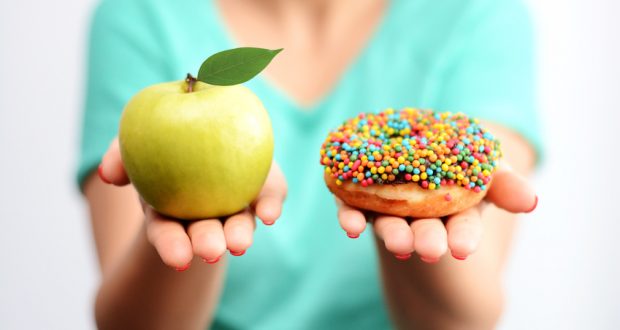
[431,238]
[177,241]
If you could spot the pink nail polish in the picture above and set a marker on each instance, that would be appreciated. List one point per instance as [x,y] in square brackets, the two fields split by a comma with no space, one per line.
[268,223]
[533,207]
[403,256]
[237,254]
[354,236]
[459,257]
[101,176]
[212,261]
[429,260]
[182,269]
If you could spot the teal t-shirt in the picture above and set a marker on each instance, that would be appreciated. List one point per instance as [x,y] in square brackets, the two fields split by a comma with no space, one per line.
[472,56]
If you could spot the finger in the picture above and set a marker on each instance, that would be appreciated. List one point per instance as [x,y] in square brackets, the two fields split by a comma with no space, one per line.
[111,169]
[464,232]
[268,205]
[169,239]
[208,241]
[430,239]
[396,235]
[512,192]
[351,220]
[239,232]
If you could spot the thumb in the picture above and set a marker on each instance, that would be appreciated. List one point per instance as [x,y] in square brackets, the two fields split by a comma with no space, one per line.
[268,204]
[111,169]
[512,192]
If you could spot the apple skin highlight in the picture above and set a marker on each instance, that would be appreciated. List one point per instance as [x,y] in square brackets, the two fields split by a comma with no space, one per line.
[199,154]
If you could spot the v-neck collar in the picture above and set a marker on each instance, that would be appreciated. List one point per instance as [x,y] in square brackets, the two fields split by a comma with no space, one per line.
[323,102]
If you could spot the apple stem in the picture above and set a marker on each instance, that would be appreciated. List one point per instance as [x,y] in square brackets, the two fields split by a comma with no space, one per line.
[190,82]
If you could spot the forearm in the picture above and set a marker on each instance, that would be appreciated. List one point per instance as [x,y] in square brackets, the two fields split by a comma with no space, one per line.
[451,294]
[138,291]
[143,293]
[458,294]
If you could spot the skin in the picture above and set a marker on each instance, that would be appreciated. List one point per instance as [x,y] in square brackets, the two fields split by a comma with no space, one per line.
[429,289]
[143,253]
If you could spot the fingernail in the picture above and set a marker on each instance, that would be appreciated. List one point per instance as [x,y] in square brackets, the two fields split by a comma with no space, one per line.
[212,261]
[429,260]
[268,223]
[354,236]
[459,257]
[403,256]
[101,176]
[182,269]
[237,254]
[533,207]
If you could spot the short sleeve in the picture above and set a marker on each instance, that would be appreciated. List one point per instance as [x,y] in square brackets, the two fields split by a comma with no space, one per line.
[490,73]
[124,56]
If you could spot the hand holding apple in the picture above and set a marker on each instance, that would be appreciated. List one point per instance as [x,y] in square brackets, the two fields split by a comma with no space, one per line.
[200,150]
[206,238]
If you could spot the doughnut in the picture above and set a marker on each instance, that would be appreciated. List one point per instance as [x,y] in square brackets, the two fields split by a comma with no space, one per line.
[410,163]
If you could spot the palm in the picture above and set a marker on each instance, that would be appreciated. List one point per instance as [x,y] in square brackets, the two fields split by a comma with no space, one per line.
[178,241]
[431,238]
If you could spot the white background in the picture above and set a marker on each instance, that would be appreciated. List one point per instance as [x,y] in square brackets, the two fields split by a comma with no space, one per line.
[565,268]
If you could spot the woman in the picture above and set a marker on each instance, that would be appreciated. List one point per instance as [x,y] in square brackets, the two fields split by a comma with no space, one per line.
[340,58]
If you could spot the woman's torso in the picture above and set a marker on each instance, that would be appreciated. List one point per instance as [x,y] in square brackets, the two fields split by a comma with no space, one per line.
[304,272]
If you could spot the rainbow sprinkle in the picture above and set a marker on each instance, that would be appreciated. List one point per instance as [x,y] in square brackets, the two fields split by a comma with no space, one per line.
[412,145]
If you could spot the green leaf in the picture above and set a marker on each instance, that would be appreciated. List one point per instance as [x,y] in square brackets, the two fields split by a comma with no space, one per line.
[235,66]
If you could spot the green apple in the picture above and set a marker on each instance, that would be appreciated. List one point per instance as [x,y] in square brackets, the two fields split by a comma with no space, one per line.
[196,152]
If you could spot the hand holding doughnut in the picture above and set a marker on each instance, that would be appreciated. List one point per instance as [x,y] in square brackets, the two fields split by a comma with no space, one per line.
[420,166]
[432,237]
